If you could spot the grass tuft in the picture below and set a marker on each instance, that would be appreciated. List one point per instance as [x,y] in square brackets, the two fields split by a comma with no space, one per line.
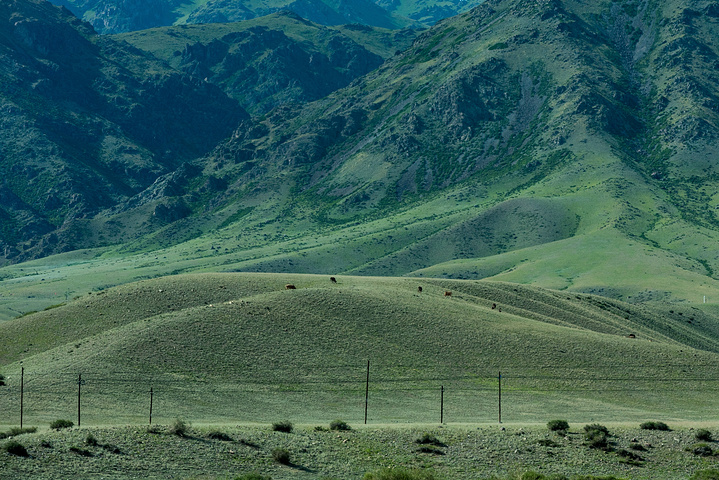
[285,427]
[13,447]
[61,424]
[654,426]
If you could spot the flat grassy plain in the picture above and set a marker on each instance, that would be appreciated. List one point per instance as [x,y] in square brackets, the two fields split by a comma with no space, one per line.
[459,452]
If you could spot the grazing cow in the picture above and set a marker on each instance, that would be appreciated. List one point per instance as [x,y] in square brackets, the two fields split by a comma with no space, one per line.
[333,280]
[494,305]
[419,289]
[631,335]
[447,293]
[289,286]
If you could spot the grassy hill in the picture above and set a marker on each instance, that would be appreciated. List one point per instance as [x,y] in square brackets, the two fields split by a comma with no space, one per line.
[240,347]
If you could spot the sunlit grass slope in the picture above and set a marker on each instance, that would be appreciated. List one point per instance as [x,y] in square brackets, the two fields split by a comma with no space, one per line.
[242,347]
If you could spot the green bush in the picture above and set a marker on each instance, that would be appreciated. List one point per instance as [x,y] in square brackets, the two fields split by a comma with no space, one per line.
[711,474]
[281,455]
[558,425]
[61,424]
[2,381]
[654,426]
[701,450]
[91,440]
[429,439]
[399,474]
[431,449]
[285,427]
[13,447]
[180,428]
[703,435]
[597,436]
[339,425]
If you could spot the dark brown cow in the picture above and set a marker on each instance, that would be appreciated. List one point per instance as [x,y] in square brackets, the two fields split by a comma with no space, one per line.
[333,280]
[419,289]
[447,293]
[289,286]
[494,305]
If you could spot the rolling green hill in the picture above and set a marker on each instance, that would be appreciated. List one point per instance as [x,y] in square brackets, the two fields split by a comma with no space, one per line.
[241,347]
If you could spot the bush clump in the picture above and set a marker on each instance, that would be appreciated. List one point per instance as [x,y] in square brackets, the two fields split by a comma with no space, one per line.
[2,381]
[13,447]
[400,474]
[597,436]
[558,425]
[429,439]
[654,426]
[81,451]
[61,424]
[701,450]
[91,440]
[281,455]
[285,427]
[703,435]
[180,428]
[339,425]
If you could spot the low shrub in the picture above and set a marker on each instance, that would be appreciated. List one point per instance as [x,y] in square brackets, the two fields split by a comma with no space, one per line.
[400,474]
[597,436]
[637,447]
[91,440]
[281,455]
[13,447]
[180,428]
[2,381]
[339,425]
[61,424]
[320,428]
[558,425]
[429,439]
[285,427]
[154,429]
[701,450]
[703,435]
[654,426]
[217,435]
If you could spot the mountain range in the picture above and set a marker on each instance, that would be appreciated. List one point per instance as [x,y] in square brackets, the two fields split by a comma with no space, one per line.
[564,143]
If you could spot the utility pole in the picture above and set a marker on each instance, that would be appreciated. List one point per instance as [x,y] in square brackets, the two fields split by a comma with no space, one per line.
[366,395]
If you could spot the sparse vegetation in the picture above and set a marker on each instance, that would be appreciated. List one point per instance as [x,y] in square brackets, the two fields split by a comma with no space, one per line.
[400,474]
[253,476]
[91,440]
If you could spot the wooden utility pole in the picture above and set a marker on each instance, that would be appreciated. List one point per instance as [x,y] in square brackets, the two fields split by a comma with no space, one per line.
[366,395]
[441,405]
[22,394]
[79,389]
[500,396]
[151,394]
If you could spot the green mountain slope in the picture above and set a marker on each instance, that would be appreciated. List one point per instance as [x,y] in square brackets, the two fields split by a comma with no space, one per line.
[211,338]
[533,144]
[272,60]
[85,125]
